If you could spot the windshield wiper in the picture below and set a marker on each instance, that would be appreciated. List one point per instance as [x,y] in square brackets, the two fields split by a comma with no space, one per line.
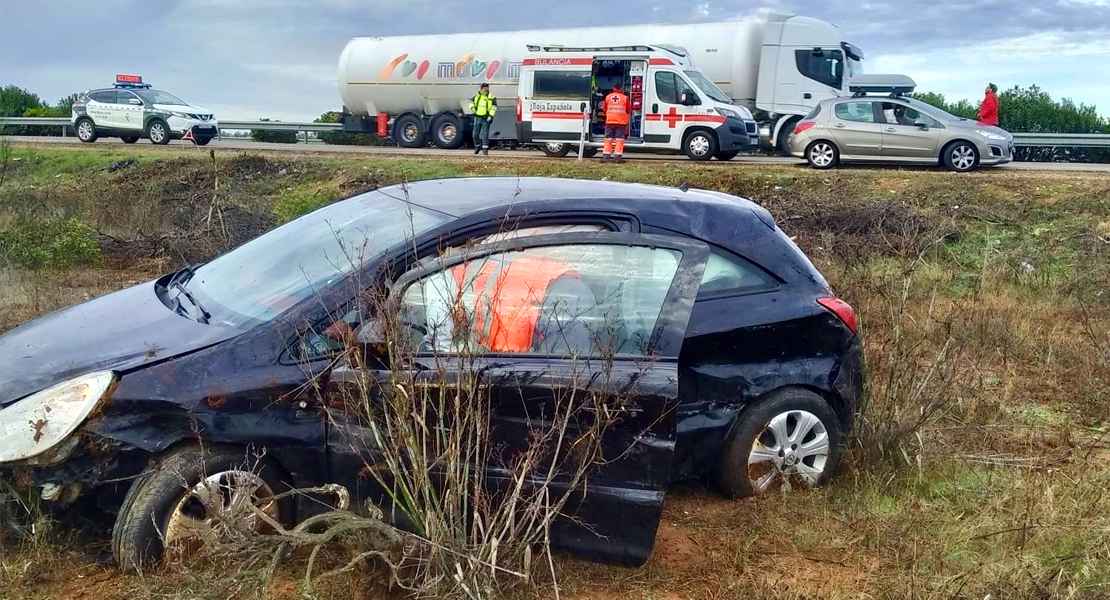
[204,315]
[178,282]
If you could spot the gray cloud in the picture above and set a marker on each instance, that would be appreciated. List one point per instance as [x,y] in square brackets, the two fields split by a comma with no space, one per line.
[277,57]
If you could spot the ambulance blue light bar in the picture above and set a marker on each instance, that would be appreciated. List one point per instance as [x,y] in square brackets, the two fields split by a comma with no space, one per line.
[131,82]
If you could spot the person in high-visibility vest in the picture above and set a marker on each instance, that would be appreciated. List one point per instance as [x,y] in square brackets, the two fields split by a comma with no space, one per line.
[484,108]
[617,112]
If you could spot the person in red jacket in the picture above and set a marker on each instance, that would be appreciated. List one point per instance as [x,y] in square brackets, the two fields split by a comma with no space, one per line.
[988,110]
[618,108]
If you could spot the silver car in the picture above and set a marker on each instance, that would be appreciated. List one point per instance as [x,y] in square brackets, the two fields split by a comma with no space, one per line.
[896,129]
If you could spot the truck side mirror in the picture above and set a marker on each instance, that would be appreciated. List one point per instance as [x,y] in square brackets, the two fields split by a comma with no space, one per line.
[688,100]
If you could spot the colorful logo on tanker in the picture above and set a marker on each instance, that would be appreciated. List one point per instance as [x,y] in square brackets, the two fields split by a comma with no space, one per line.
[467,68]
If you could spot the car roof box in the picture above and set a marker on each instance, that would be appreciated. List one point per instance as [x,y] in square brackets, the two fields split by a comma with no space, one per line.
[895,85]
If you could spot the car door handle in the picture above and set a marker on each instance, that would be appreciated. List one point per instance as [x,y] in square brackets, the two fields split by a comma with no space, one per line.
[807,95]
[840,125]
[891,129]
[655,108]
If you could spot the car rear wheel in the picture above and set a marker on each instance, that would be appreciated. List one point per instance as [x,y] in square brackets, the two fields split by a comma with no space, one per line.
[203,141]
[700,145]
[786,136]
[186,500]
[555,149]
[86,131]
[158,132]
[961,157]
[788,440]
[823,155]
[129,139]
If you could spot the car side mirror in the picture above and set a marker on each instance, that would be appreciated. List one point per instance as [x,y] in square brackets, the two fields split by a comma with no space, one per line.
[921,125]
[135,101]
[687,100]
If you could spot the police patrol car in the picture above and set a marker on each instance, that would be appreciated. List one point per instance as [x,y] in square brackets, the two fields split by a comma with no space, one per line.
[131,110]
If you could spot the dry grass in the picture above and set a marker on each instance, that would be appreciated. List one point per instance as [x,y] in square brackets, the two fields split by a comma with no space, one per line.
[1001,491]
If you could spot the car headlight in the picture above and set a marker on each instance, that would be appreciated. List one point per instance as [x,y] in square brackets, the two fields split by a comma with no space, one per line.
[991,136]
[728,112]
[179,115]
[43,420]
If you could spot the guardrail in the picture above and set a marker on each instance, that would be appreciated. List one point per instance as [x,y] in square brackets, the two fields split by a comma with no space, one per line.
[1073,140]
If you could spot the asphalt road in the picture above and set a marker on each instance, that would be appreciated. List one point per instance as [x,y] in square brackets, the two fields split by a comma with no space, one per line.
[241,144]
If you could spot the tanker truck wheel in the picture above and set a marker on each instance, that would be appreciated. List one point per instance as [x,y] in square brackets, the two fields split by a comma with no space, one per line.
[555,149]
[409,132]
[448,132]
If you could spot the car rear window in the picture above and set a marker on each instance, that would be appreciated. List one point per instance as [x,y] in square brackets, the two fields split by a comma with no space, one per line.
[813,113]
[729,274]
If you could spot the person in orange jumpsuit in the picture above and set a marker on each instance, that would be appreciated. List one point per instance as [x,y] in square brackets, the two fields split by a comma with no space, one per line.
[618,109]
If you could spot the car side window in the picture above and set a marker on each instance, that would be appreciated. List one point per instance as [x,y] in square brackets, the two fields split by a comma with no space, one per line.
[727,273]
[573,300]
[666,87]
[125,97]
[900,114]
[104,96]
[860,112]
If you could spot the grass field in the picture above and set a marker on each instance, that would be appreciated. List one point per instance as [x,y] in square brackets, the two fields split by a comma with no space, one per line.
[981,464]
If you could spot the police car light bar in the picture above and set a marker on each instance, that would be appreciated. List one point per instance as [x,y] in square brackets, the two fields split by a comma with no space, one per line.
[130,81]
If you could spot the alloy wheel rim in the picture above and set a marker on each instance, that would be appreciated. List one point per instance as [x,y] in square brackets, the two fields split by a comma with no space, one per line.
[963,157]
[215,504]
[821,155]
[448,133]
[410,132]
[791,451]
[84,130]
[157,132]
[554,148]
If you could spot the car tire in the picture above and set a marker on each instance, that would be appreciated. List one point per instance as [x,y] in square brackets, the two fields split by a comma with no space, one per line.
[700,145]
[86,130]
[822,154]
[762,451]
[785,135]
[726,156]
[158,132]
[129,139]
[409,131]
[961,157]
[167,488]
[203,141]
[590,152]
[555,149]
[448,132]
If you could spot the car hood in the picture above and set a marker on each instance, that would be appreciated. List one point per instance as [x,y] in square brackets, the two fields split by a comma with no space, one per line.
[185,108]
[120,331]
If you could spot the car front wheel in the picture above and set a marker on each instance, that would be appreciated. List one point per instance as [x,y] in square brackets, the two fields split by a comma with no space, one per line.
[961,157]
[86,131]
[555,149]
[158,132]
[701,145]
[822,155]
[789,440]
[184,501]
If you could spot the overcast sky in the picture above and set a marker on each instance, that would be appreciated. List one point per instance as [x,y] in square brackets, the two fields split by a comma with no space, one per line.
[277,58]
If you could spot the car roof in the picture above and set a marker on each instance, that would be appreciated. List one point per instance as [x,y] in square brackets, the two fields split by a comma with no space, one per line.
[460,197]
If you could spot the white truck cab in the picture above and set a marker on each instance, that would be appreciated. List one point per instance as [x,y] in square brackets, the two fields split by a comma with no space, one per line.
[674,106]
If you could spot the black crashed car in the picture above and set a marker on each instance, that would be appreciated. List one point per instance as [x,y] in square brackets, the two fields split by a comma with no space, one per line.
[757,365]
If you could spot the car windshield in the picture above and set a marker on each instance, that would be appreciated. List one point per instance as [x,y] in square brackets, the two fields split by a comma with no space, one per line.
[708,87]
[159,97]
[259,280]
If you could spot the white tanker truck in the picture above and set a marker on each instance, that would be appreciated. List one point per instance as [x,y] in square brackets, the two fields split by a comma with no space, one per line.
[778,66]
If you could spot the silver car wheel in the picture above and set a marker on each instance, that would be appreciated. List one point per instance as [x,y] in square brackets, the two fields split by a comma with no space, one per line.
[699,145]
[219,501]
[792,449]
[554,148]
[822,154]
[84,131]
[157,132]
[963,157]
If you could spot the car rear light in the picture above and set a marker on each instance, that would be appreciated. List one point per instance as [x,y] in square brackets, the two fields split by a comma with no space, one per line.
[519,110]
[842,310]
[804,125]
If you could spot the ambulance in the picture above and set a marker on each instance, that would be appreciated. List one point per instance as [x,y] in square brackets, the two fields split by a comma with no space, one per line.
[560,102]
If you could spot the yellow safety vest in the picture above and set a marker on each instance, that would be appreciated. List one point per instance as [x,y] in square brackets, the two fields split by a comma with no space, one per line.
[483,106]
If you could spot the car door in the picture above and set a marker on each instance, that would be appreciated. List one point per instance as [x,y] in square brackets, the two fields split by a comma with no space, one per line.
[129,111]
[664,121]
[589,321]
[102,109]
[909,133]
[855,129]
